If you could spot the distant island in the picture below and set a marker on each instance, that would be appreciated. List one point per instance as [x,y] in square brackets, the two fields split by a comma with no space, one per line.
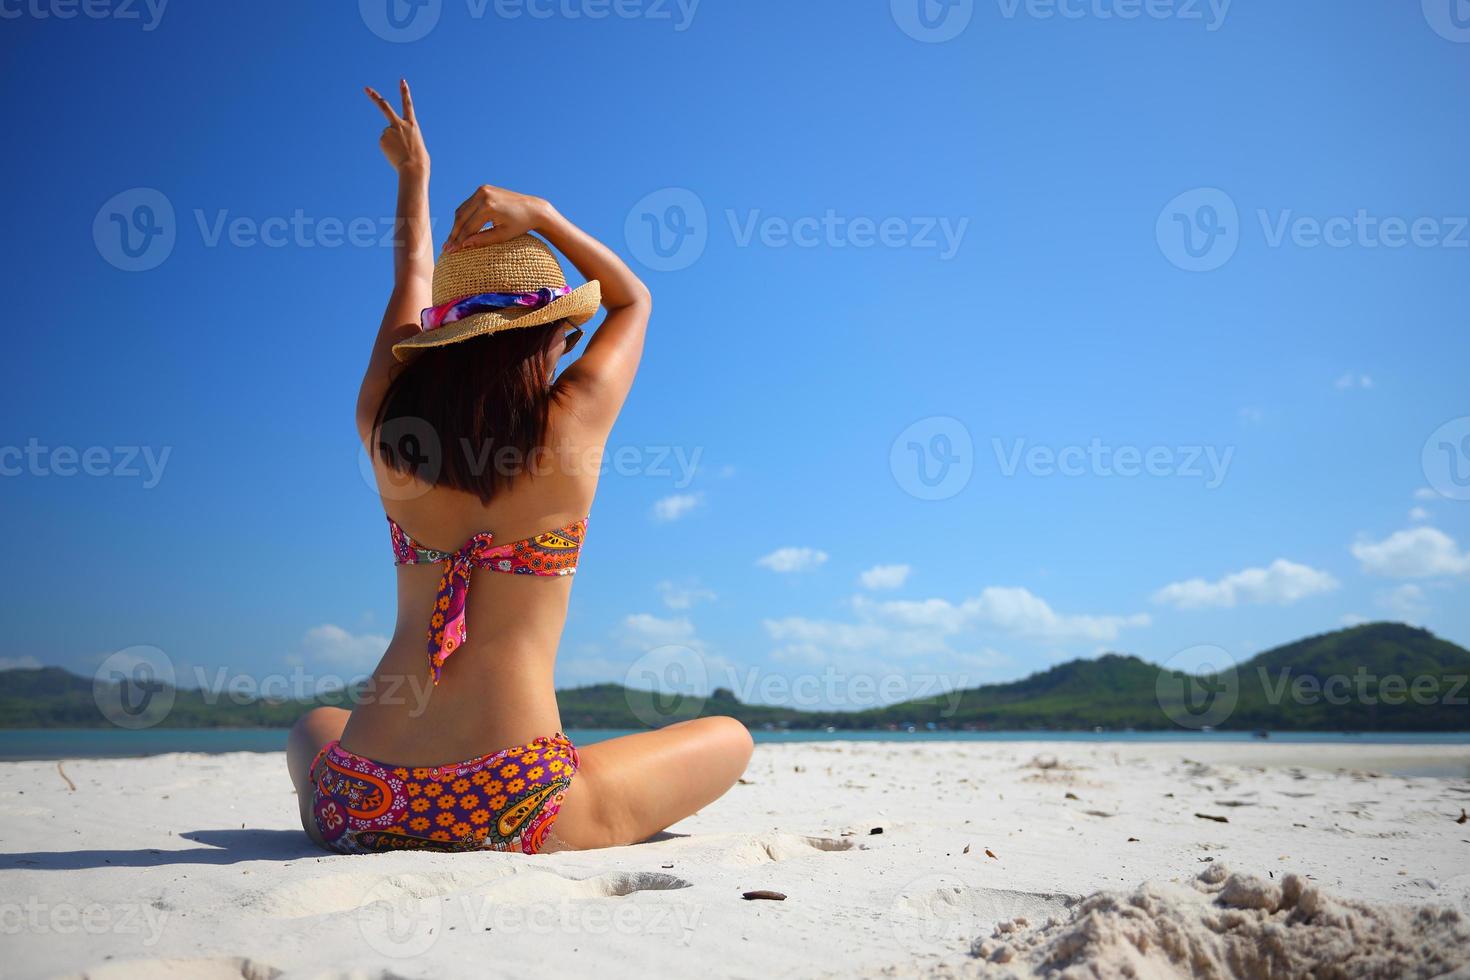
[1371,678]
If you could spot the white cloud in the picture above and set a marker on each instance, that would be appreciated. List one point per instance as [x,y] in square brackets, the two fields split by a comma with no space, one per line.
[1418,514]
[675,506]
[19,663]
[885,576]
[1281,583]
[942,631]
[1012,610]
[793,559]
[1352,380]
[1017,610]
[643,630]
[1252,415]
[335,645]
[1426,493]
[677,596]
[1407,601]
[1422,552]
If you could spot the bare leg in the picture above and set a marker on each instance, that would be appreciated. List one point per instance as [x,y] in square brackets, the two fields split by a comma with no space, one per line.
[630,788]
[311,732]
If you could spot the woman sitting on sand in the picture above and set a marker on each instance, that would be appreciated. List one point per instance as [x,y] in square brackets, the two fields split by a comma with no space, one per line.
[469,434]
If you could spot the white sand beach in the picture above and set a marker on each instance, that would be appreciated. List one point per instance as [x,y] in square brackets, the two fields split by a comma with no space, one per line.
[194,866]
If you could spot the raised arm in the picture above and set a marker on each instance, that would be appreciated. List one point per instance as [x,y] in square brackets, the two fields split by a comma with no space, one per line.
[413,253]
[597,383]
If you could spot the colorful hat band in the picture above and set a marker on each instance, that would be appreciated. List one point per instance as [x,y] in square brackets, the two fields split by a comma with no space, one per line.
[459,309]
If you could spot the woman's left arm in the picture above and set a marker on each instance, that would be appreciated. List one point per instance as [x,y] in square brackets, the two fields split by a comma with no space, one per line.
[413,254]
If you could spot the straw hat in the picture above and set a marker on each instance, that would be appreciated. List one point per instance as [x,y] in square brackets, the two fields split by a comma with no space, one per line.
[522,265]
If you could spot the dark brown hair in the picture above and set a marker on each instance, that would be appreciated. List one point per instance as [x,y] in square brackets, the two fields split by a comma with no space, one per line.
[470,415]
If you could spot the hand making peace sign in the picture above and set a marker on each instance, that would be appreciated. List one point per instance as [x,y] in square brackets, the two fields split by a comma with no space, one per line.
[402,141]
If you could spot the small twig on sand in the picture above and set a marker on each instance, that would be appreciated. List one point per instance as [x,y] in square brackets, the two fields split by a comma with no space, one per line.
[69,784]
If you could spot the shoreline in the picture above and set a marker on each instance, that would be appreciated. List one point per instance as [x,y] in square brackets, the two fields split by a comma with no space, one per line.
[1426,754]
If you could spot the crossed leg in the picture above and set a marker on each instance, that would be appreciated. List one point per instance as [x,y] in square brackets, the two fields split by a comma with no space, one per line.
[628,789]
[309,736]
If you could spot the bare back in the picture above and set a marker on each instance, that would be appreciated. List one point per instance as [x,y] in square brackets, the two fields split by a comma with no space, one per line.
[498,690]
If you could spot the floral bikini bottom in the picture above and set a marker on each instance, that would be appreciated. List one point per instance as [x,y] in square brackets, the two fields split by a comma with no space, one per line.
[506,801]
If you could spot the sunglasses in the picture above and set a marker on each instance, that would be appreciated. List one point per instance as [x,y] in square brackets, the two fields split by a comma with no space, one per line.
[573,336]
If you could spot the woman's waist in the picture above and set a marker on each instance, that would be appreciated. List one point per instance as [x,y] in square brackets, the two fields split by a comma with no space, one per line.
[481,704]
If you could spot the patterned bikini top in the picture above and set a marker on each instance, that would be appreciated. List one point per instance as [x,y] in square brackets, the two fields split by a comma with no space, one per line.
[548,553]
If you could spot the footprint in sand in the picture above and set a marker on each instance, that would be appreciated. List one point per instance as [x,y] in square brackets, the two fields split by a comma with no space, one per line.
[942,912]
[745,851]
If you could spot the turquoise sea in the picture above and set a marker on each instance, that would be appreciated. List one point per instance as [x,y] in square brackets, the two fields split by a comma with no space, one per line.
[75,743]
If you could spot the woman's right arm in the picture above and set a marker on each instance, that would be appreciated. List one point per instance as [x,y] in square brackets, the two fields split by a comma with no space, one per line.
[597,383]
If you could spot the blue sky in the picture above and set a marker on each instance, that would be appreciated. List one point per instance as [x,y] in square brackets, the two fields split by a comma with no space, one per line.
[1227,242]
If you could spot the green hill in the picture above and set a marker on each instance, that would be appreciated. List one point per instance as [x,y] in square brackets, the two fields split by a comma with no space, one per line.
[1375,677]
